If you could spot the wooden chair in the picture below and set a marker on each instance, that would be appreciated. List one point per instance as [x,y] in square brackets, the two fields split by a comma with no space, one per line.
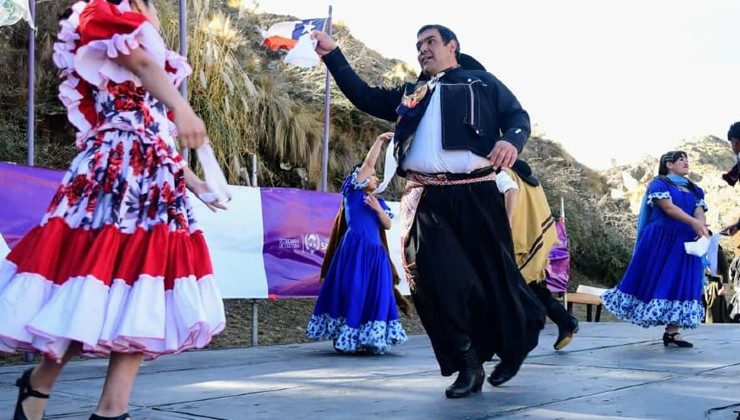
[586,295]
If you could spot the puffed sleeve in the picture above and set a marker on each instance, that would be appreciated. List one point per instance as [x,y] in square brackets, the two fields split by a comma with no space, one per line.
[658,190]
[700,199]
[352,183]
[105,32]
[385,207]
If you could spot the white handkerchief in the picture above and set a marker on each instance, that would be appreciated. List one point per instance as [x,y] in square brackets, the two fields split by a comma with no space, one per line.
[389,169]
[218,189]
[712,252]
[303,54]
[698,247]
[11,11]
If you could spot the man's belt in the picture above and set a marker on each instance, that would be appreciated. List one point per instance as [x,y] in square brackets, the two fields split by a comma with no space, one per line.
[447,178]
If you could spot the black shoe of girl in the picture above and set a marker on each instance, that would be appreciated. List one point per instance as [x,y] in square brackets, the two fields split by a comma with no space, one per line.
[123,416]
[671,338]
[24,391]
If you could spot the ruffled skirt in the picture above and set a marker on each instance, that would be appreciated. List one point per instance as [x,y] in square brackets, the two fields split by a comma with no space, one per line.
[662,284]
[117,262]
[356,307]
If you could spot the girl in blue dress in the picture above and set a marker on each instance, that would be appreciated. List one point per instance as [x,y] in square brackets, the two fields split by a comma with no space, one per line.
[356,306]
[663,284]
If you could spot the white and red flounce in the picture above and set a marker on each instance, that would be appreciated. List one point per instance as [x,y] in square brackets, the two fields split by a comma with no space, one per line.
[149,292]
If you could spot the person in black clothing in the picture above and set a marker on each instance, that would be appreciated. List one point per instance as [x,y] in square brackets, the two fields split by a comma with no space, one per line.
[732,176]
[455,126]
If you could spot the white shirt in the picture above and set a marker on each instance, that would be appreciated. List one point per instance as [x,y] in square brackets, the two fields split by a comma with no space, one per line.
[426,153]
[504,182]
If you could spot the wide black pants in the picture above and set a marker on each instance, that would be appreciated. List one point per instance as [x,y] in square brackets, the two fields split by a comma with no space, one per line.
[467,288]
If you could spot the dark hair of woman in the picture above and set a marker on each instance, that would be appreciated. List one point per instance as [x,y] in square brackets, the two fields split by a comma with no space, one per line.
[672,157]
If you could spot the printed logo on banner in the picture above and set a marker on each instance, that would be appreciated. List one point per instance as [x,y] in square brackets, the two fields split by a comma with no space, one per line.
[313,242]
[290,243]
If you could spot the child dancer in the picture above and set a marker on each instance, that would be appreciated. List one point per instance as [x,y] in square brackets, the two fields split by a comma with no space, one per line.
[356,306]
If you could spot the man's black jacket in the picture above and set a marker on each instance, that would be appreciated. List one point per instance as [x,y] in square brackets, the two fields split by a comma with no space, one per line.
[477,109]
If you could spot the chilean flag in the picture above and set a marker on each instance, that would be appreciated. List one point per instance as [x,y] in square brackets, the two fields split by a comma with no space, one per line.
[285,35]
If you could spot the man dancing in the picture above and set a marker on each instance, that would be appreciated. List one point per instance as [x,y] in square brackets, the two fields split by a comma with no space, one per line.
[454,126]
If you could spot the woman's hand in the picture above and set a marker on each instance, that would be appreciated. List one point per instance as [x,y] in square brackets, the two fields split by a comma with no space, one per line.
[700,227]
[200,189]
[191,132]
[372,202]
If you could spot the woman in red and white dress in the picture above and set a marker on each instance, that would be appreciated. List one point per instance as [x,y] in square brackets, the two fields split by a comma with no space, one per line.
[117,266]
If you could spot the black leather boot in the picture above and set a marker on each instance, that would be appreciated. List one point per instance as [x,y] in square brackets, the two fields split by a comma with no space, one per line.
[503,372]
[567,326]
[567,323]
[469,378]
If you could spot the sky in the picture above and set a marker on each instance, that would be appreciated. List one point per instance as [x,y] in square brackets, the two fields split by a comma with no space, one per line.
[612,80]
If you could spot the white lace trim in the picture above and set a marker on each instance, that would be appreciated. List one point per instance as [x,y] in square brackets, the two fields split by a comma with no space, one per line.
[657,196]
[703,204]
[357,184]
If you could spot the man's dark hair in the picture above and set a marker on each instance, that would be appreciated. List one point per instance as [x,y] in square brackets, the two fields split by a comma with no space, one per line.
[446,34]
[734,132]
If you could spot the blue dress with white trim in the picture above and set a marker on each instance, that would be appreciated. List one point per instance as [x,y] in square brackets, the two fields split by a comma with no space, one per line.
[662,284]
[356,307]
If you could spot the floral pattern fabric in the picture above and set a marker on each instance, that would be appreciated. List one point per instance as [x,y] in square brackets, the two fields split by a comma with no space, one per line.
[117,262]
[374,337]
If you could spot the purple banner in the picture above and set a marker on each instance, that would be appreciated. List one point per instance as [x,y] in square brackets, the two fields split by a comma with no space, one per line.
[297,225]
[25,194]
[558,270]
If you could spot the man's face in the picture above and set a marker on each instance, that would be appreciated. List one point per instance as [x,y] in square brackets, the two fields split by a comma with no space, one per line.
[735,142]
[433,55]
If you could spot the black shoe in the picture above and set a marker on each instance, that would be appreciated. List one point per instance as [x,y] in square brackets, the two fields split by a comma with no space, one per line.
[469,379]
[671,338]
[24,391]
[123,416]
[502,373]
[565,332]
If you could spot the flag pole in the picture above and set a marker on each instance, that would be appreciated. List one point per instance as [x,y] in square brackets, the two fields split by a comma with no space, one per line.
[562,208]
[325,147]
[31,123]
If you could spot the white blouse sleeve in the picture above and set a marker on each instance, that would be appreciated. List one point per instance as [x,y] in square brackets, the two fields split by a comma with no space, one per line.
[504,182]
